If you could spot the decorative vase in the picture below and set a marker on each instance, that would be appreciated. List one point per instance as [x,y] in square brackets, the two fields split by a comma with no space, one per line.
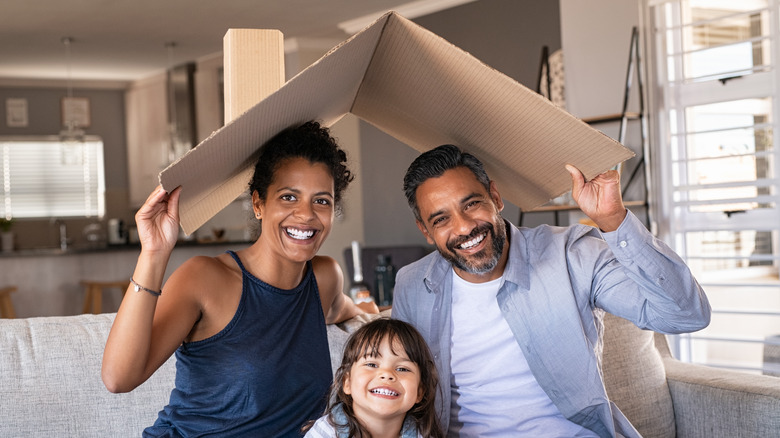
[7,238]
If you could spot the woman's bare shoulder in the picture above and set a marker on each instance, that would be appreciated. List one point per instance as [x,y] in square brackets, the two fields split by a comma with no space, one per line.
[205,272]
[329,278]
[212,285]
[326,268]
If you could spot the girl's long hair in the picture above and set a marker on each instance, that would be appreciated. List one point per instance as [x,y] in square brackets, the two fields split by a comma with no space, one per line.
[366,342]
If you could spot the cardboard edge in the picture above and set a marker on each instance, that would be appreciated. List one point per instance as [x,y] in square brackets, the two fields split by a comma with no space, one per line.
[170,176]
[622,153]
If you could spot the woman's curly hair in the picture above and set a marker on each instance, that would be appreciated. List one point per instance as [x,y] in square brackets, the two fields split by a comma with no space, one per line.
[310,141]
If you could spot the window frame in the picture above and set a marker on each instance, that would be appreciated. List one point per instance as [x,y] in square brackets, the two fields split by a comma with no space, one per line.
[91,201]
[665,94]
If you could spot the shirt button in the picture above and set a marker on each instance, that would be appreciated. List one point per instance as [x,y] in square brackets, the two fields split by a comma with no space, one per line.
[623,244]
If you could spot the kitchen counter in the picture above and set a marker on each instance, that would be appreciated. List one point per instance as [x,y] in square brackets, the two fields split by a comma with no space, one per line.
[91,249]
[49,279]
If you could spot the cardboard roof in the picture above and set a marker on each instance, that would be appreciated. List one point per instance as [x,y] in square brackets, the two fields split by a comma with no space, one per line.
[422,90]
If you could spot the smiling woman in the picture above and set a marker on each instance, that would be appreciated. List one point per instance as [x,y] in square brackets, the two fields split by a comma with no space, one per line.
[239,323]
[296,213]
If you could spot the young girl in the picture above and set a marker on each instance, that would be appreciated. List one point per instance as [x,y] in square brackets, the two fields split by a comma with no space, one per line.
[247,327]
[385,386]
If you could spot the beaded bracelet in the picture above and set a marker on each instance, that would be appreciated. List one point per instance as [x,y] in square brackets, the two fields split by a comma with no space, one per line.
[138,287]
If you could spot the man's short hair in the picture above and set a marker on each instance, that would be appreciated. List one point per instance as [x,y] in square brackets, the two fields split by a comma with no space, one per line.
[433,164]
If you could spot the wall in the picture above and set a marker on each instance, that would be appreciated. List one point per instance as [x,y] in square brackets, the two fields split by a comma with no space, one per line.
[107,121]
[595,38]
[349,225]
[507,35]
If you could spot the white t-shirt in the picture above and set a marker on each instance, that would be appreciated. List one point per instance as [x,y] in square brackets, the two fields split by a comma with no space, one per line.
[494,393]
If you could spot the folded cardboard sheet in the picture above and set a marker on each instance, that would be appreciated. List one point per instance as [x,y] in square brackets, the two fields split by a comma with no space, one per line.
[420,89]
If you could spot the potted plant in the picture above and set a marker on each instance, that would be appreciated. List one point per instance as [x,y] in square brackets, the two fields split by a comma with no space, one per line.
[6,235]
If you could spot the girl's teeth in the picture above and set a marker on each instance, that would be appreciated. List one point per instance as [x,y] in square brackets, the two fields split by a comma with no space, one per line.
[382,391]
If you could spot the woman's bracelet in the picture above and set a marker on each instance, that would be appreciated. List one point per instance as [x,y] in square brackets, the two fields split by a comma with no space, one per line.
[138,288]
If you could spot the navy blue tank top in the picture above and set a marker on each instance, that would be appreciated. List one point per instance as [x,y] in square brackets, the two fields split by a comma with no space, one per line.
[264,375]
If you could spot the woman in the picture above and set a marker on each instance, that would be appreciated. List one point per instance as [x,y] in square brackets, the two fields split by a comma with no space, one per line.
[247,327]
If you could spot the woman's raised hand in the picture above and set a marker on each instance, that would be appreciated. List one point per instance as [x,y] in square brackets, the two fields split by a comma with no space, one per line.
[158,220]
[132,354]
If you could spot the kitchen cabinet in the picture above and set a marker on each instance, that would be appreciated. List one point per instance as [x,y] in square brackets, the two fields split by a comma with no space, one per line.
[148,137]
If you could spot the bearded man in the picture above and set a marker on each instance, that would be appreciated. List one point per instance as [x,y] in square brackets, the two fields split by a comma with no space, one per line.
[513,315]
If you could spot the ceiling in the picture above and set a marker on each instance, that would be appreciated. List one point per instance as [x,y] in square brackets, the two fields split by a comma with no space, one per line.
[125,40]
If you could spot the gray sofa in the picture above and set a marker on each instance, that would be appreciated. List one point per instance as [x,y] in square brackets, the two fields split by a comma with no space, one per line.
[663,397]
[50,384]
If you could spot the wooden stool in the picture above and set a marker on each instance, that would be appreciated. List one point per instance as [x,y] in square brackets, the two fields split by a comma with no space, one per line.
[93,300]
[6,305]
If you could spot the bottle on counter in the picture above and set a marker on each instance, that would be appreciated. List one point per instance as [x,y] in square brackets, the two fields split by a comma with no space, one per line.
[385,280]
[358,290]
[117,234]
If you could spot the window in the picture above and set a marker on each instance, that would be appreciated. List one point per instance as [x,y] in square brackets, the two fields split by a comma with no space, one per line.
[714,108]
[43,177]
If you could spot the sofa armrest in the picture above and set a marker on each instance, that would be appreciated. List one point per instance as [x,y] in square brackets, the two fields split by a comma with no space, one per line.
[711,402]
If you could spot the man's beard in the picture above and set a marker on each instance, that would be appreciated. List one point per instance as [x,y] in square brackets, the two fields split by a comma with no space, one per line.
[485,260]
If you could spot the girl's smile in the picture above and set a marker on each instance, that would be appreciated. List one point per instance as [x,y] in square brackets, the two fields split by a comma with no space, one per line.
[385,386]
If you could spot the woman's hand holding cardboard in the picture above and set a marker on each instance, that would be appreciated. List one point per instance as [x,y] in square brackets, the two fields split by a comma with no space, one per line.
[158,220]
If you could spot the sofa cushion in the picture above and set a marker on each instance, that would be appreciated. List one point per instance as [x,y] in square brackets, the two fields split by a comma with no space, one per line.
[338,334]
[635,379]
[51,384]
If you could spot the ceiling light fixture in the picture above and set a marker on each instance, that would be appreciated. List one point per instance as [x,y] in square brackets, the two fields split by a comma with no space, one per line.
[72,136]
[175,146]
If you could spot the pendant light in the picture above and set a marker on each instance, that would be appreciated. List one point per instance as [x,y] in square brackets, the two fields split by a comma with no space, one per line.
[176,147]
[71,137]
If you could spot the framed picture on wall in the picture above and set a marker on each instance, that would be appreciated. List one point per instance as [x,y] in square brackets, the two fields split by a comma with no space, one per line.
[16,113]
[75,112]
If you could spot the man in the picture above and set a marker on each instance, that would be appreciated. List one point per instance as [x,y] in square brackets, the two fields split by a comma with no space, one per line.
[513,315]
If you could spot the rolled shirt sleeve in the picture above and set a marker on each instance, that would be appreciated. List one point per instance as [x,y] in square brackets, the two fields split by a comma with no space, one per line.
[672,301]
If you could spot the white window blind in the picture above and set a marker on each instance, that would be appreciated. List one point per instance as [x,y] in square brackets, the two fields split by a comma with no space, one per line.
[715,107]
[43,177]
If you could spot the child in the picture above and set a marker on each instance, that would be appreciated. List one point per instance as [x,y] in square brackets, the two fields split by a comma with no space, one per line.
[385,386]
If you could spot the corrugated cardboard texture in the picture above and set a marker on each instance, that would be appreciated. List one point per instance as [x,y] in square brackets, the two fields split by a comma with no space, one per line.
[253,62]
[448,96]
[419,88]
